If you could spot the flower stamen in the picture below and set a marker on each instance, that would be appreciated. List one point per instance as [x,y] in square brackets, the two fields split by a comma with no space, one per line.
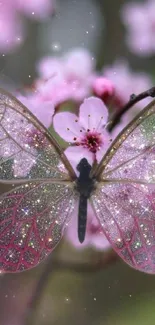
[92,140]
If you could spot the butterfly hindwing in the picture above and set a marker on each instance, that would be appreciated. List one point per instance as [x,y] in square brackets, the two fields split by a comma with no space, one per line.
[33,218]
[127,215]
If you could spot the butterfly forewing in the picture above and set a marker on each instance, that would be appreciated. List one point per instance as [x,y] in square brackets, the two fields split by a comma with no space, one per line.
[133,145]
[27,150]
[124,201]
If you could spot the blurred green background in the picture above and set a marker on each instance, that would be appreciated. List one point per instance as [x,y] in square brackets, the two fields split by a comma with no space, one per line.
[57,293]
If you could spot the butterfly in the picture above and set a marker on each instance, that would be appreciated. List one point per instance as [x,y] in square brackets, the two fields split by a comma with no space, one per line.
[43,190]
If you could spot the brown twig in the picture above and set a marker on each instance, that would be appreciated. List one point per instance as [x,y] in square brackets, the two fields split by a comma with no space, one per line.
[115,119]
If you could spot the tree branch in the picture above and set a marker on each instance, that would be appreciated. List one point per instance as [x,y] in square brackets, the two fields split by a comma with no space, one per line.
[54,264]
[115,119]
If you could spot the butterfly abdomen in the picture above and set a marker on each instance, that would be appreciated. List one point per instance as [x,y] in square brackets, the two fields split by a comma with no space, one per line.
[85,186]
[82,218]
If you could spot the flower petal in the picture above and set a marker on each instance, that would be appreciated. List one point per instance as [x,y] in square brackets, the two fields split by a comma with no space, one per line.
[12,31]
[103,87]
[75,154]
[100,242]
[67,125]
[72,68]
[43,110]
[49,67]
[106,140]
[93,114]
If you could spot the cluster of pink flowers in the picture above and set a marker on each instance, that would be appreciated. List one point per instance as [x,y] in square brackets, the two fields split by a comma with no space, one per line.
[127,82]
[72,78]
[12,28]
[66,78]
[139,18]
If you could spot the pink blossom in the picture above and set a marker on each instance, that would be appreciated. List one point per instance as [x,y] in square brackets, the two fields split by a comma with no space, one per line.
[103,88]
[43,110]
[36,9]
[139,19]
[78,64]
[69,77]
[55,90]
[49,67]
[12,29]
[127,82]
[85,132]
[94,233]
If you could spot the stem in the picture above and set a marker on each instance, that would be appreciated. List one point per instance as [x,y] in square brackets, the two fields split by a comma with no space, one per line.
[53,265]
[88,267]
[36,296]
[115,119]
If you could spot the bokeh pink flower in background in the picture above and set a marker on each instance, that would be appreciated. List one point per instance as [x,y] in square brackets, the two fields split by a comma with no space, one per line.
[139,19]
[85,132]
[68,77]
[73,77]
[36,9]
[103,88]
[12,27]
[44,111]
[127,82]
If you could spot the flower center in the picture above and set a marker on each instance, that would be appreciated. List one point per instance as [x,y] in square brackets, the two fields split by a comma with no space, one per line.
[92,140]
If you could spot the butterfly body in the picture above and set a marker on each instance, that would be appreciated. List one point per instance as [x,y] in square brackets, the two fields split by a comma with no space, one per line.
[85,186]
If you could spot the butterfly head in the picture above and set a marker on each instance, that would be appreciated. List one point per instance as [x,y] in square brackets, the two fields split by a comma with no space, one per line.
[83,165]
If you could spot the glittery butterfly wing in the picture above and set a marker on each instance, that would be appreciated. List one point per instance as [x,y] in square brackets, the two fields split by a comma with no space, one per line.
[124,201]
[27,150]
[33,215]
